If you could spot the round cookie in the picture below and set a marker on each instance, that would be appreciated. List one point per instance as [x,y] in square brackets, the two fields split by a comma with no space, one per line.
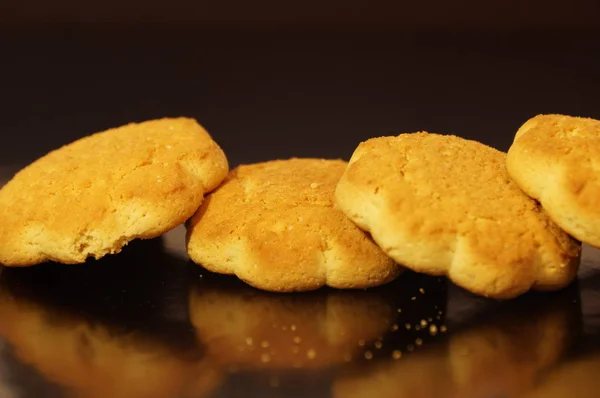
[556,160]
[276,227]
[91,197]
[443,205]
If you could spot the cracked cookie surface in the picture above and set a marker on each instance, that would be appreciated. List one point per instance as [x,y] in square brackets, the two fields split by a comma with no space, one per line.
[556,160]
[275,225]
[91,197]
[444,205]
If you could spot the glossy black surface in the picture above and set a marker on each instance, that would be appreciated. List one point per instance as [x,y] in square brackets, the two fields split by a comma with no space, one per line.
[148,324]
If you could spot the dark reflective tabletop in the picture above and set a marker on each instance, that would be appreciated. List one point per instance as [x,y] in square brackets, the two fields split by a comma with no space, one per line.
[148,323]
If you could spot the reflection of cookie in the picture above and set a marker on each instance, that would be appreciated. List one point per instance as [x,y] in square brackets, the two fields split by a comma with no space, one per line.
[556,160]
[275,226]
[504,359]
[445,205]
[577,378]
[501,356]
[252,329]
[93,196]
[91,361]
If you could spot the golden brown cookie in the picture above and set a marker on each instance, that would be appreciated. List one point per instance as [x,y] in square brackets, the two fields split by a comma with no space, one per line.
[276,227]
[444,205]
[91,197]
[556,160]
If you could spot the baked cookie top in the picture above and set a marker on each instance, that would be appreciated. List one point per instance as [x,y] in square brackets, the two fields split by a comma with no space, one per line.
[92,196]
[444,205]
[556,159]
[275,226]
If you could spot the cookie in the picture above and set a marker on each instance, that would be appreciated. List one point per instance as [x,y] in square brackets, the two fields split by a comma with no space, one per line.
[276,227]
[444,205]
[556,160]
[91,197]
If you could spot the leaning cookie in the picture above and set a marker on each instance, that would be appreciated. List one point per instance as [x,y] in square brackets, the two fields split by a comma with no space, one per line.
[444,205]
[276,227]
[556,160]
[91,197]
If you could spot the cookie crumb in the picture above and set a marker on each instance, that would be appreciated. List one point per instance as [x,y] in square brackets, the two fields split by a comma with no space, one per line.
[433,330]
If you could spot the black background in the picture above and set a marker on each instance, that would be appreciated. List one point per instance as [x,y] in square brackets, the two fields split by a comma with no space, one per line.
[278,79]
